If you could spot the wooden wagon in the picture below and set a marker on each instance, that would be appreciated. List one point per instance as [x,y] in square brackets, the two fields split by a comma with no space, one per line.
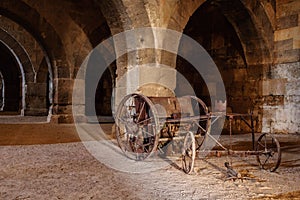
[145,125]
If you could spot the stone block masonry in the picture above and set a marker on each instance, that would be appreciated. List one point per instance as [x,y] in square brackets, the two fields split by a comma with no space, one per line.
[283,117]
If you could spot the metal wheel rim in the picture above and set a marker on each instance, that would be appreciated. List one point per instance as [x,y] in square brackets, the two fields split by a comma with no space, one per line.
[188,153]
[127,148]
[268,152]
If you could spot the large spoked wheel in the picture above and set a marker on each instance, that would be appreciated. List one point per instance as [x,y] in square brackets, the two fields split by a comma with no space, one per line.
[188,153]
[269,154]
[202,126]
[137,126]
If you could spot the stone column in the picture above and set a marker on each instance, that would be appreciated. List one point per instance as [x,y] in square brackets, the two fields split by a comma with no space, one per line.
[144,72]
[62,101]
[62,93]
[36,99]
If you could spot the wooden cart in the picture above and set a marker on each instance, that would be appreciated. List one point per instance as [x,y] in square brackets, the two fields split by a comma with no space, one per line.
[145,125]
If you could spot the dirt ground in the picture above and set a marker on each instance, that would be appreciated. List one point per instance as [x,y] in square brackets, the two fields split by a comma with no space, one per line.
[48,161]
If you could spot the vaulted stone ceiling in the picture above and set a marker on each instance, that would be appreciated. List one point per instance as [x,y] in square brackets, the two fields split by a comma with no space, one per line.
[255,44]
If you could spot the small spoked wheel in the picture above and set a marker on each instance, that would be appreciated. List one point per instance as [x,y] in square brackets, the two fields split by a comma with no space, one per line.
[269,154]
[137,126]
[188,153]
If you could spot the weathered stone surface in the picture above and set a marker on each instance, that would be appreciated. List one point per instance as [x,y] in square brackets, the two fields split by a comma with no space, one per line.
[288,33]
[36,89]
[240,74]
[287,8]
[62,119]
[63,93]
[273,100]
[285,117]
[36,112]
[62,109]
[274,87]
[287,21]
[286,56]
[283,44]
[290,71]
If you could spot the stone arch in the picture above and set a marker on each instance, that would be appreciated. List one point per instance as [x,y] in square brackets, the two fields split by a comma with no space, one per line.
[254,35]
[242,15]
[117,20]
[24,62]
[252,32]
[57,45]
[95,30]
[126,15]
[14,79]
[21,53]
[120,16]
[18,12]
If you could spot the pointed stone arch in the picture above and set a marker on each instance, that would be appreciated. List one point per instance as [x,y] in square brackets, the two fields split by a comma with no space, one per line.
[254,32]
[20,52]
[242,15]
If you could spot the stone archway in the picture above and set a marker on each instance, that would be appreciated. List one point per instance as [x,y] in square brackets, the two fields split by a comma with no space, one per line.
[124,13]
[13,77]
[65,49]
[237,42]
[243,17]
[21,53]
[27,71]
[33,91]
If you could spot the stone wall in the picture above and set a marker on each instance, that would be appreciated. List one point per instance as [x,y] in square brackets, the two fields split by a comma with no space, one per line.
[281,89]
[257,50]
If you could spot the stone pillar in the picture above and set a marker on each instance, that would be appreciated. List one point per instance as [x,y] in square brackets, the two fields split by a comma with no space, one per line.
[62,101]
[62,93]
[79,100]
[145,72]
[36,99]
[150,80]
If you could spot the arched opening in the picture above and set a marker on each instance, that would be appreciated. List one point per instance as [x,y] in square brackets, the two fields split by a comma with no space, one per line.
[103,95]
[99,103]
[12,78]
[212,28]
[44,81]
[35,68]
[98,97]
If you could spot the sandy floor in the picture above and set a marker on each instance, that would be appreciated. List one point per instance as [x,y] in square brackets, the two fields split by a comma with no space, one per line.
[47,161]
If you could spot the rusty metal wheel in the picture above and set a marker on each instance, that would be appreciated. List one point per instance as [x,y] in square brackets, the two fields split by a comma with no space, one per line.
[269,154]
[201,126]
[188,153]
[137,128]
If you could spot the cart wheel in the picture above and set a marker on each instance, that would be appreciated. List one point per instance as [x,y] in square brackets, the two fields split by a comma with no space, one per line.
[202,127]
[137,127]
[269,156]
[188,153]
